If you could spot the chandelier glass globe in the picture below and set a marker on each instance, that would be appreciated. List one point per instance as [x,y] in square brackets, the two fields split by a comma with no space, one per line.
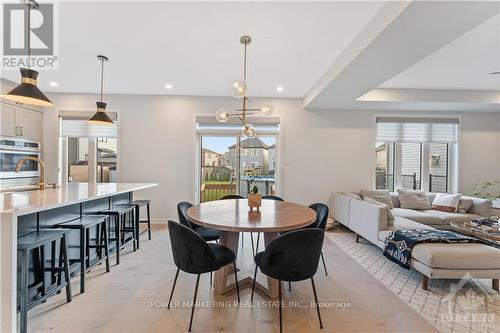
[266,109]
[222,115]
[248,131]
[239,89]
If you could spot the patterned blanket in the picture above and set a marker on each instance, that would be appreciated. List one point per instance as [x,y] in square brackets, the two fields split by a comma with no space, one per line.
[399,243]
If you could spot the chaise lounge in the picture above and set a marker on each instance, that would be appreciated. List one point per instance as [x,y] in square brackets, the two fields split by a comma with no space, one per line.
[434,261]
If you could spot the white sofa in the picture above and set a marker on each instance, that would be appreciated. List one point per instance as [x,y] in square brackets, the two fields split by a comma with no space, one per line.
[440,261]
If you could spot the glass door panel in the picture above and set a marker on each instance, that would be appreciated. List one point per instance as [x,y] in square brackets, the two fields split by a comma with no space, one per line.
[106,160]
[219,167]
[78,160]
[258,162]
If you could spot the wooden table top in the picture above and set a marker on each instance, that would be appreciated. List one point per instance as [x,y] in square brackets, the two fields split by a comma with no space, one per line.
[234,215]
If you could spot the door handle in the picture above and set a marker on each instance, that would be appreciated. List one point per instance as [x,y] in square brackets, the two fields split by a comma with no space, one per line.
[17,130]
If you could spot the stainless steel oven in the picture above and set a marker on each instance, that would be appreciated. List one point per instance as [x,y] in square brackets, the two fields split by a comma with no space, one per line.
[14,149]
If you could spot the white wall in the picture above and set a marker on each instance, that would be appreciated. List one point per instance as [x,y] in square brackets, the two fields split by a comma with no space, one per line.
[322,151]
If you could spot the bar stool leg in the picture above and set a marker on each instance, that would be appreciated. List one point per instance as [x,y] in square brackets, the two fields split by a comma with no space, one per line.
[64,246]
[149,221]
[83,248]
[106,243]
[87,247]
[42,269]
[24,292]
[137,236]
[53,262]
[134,230]
[118,237]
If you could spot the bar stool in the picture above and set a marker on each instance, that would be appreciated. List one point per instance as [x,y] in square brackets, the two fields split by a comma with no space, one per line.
[118,214]
[35,242]
[101,242]
[138,204]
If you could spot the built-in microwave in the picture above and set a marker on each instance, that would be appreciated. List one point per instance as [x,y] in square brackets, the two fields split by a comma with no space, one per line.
[14,149]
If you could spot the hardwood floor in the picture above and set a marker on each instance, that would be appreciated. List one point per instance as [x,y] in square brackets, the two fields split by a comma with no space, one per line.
[134,295]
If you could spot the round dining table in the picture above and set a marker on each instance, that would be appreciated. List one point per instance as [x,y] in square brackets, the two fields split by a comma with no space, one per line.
[233,216]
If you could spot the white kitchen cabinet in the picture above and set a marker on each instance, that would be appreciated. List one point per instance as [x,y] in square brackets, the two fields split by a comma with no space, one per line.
[8,120]
[29,124]
[18,121]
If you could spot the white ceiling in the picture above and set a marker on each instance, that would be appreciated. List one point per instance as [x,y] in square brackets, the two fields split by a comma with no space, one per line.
[465,63]
[195,46]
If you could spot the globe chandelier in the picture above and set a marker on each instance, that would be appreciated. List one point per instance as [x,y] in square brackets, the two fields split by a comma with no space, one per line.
[239,90]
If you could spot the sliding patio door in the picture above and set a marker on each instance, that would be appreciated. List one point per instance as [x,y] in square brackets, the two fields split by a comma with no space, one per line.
[228,163]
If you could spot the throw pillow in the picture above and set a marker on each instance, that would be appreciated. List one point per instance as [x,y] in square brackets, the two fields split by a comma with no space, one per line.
[382,196]
[390,216]
[446,202]
[413,200]
[465,205]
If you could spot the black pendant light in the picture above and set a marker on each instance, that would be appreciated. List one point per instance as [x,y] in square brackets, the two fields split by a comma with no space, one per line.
[101,117]
[27,92]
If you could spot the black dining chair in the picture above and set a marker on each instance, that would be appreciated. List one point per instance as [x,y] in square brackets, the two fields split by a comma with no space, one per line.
[236,196]
[205,233]
[209,235]
[266,197]
[192,254]
[293,256]
[319,223]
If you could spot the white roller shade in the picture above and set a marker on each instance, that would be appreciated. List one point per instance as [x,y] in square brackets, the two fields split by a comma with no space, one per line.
[263,125]
[417,130]
[72,128]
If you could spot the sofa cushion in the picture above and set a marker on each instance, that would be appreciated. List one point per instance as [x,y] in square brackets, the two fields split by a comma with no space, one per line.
[353,195]
[457,256]
[413,199]
[418,216]
[465,205]
[451,217]
[395,200]
[401,223]
[382,196]
[390,217]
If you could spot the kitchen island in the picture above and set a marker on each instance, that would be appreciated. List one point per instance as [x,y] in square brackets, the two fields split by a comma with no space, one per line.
[23,212]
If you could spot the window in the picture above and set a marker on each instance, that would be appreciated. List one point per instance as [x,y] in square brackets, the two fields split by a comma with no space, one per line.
[415,153]
[243,162]
[88,152]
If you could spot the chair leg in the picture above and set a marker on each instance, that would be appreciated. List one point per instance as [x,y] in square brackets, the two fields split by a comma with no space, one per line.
[194,302]
[253,284]
[210,278]
[118,238]
[24,292]
[83,248]
[257,244]
[279,299]
[64,246]
[236,279]
[137,223]
[317,304]
[289,286]
[106,243]
[324,266]
[149,221]
[173,287]
[253,248]
[132,222]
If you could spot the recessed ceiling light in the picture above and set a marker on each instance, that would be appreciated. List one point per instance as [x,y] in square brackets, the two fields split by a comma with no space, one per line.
[54,84]
[279,88]
[169,86]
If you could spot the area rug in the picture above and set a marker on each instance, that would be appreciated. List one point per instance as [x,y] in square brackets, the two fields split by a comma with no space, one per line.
[466,305]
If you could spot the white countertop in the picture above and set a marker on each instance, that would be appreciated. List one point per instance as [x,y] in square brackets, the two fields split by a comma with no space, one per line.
[27,202]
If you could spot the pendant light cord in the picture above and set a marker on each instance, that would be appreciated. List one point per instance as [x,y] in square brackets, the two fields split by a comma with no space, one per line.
[102,75]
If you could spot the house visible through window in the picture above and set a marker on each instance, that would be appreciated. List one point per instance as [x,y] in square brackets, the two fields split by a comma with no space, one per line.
[416,153]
